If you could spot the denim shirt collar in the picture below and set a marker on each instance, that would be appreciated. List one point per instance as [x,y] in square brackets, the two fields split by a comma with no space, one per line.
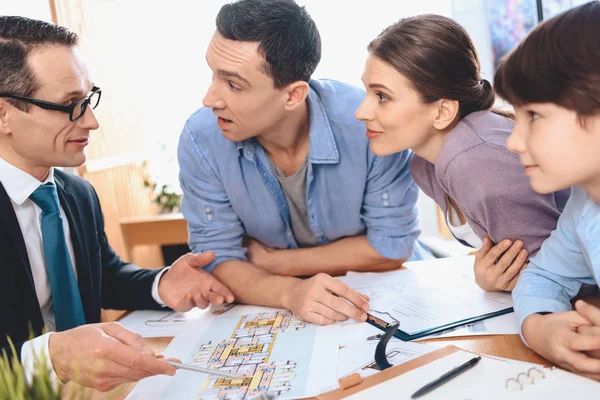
[247,148]
[323,148]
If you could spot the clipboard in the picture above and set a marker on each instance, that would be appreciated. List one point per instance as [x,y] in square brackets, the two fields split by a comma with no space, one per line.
[355,383]
[407,337]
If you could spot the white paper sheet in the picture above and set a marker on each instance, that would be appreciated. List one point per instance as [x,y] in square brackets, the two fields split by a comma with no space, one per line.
[277,353]
[151,324]
[428,293]
[352,332]
[359,357]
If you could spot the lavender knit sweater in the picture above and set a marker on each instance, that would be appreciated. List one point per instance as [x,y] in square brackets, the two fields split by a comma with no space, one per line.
[488,183]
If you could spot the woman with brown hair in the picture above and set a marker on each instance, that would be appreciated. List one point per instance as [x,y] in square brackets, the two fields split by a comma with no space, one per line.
[425,93]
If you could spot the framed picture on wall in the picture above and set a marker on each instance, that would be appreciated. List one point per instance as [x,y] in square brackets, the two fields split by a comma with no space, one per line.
[511,20]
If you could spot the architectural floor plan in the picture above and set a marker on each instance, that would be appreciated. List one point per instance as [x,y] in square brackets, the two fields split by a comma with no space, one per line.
[248,352]
[275,354]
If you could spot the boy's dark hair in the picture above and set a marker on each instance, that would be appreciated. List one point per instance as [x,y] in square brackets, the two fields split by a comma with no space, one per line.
[19,36]
[558,62]
[288,37]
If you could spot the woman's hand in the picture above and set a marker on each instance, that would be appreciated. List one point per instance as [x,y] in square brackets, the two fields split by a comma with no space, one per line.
[497,268]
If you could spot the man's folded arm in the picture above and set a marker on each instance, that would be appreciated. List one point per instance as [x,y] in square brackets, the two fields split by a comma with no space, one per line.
[214,226]
[252,285]
[390,215]
[335,258]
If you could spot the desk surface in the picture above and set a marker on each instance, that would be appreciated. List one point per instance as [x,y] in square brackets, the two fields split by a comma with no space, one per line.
[162,229]
[509,346]
[152,219]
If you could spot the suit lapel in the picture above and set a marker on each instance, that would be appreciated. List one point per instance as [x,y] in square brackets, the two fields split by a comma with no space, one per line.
[80,248]
[11,224]
[8,220]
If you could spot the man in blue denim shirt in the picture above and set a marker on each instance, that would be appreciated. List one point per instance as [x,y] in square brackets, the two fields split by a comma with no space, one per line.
[279,160]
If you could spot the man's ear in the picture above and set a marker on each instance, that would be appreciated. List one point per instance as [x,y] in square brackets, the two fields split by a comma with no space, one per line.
[4,117]
[446,114]
[296,94]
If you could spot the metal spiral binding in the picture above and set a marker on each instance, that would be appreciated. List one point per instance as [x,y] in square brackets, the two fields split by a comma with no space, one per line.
[525,378]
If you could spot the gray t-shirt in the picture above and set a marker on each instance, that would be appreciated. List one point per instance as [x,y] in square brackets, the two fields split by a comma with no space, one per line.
[294,189]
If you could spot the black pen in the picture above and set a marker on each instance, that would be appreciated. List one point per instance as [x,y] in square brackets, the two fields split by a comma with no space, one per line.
[375,337]
[446,377]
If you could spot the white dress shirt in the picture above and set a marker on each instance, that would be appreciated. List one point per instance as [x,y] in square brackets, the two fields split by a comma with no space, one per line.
[19,185]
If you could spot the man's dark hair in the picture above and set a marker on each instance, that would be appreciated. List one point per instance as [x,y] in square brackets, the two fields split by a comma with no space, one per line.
[20,36]
[558,62]
[288,37]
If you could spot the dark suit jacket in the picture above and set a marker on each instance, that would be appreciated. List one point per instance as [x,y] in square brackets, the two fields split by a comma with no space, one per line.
[104,280]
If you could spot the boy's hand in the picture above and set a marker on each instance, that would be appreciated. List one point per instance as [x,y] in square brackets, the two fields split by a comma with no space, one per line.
[556,338]
[592,314]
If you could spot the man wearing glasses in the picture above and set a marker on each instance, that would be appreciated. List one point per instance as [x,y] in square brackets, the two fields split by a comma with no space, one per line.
[57,267]
[75,110]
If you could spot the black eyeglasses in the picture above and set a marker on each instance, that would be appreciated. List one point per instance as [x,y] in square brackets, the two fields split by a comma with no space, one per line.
[75,110]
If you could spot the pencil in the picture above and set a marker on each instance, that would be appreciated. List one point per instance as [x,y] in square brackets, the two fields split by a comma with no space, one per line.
[206,371]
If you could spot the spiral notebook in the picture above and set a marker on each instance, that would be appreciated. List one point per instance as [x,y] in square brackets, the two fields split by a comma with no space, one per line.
[490,379]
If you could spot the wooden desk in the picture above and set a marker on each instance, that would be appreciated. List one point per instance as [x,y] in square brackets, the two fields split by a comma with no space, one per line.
[155,230]
[509,346]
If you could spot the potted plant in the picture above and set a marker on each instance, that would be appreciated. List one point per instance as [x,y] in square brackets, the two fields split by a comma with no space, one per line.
[168,198]
[15,385]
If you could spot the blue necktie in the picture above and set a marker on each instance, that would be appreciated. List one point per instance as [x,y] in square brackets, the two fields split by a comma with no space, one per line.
[68,310]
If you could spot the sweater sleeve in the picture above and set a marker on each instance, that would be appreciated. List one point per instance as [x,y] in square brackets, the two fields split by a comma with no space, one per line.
[491,189]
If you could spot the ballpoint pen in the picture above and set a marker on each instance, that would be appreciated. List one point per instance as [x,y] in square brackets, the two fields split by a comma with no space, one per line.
[446,377]
[206,371]
[375,337]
